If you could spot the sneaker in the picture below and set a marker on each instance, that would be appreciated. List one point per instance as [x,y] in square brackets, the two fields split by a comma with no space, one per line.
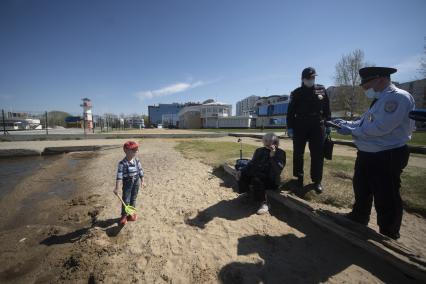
[123,220]
[133,217]
[263,209]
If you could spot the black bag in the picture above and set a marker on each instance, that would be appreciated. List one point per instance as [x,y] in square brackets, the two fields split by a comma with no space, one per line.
[241,164]
[328,148]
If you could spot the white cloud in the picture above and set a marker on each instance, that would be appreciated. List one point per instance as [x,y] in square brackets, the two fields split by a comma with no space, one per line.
[409,67]
[169,90]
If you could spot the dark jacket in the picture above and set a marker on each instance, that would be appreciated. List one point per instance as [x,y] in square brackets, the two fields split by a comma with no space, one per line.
[265,167]
[308,102]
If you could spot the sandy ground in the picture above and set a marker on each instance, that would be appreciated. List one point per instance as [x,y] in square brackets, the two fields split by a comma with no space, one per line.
[192,228]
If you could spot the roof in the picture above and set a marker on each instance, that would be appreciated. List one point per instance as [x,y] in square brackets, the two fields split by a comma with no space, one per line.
[216,104]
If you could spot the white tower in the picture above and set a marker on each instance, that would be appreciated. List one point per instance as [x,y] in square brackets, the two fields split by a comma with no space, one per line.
[87,114]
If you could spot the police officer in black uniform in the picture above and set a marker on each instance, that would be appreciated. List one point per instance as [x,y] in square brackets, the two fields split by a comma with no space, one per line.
[308,109]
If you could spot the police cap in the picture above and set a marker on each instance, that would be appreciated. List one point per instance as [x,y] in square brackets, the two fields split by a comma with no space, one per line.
[370,73]
[308,73]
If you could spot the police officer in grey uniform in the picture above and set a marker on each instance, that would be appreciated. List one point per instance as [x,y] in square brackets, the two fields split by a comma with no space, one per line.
[308,108]
[380,135]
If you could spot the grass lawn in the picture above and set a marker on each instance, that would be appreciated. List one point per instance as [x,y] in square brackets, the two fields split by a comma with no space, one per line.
[337,179]
[418,138]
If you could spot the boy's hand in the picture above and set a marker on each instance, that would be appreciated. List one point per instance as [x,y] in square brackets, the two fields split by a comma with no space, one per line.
[115,191]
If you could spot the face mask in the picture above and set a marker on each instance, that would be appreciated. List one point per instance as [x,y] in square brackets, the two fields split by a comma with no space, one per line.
[309,83]
[371,93]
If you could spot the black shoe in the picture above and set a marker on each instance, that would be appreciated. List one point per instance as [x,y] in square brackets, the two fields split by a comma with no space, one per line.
[318,188]
[394,236]
[299,182]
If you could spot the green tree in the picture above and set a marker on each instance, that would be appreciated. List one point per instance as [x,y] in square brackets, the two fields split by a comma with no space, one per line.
[57,118]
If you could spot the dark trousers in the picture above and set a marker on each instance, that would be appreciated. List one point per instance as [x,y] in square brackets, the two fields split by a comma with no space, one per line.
[130,192]
[259,183]
[313,132]
[378,176]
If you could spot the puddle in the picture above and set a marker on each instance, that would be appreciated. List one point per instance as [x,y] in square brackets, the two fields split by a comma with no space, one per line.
[13,170]
[61,183]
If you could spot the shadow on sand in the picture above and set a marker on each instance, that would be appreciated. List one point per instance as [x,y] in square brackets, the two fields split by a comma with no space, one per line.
[313,258]
[292,187]
[235,209]
[76,235]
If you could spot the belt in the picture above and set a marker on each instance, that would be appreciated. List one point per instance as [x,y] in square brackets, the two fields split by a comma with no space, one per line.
[402,148]
[308,115]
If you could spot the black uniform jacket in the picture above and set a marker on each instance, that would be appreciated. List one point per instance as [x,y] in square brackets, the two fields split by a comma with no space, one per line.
[308,103]
[264,166]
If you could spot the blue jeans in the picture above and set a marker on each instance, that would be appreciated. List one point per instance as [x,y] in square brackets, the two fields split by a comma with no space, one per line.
[130,192]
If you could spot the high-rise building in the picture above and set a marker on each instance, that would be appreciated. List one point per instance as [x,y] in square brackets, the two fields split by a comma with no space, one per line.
[246,106]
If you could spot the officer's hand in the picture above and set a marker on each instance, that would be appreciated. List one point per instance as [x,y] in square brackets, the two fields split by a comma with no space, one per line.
[339,121]
[290,132]
[328,130]
[345,130]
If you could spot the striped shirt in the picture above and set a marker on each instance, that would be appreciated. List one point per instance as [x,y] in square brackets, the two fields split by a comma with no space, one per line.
[129,169]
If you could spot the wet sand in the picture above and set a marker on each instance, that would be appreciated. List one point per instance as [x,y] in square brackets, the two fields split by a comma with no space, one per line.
[192,228]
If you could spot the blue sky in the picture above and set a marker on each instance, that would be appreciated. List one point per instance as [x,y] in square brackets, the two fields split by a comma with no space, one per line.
[125,55]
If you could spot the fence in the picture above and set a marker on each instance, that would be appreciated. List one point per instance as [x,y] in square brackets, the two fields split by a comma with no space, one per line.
[45,122]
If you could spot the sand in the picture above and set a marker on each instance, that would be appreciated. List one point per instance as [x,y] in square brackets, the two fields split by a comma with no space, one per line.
[192,228]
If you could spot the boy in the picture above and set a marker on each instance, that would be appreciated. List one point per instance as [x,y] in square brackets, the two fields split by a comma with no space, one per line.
[131,174]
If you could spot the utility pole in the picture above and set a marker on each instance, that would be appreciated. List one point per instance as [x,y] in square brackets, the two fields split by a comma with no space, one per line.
[47,130]
[4,123]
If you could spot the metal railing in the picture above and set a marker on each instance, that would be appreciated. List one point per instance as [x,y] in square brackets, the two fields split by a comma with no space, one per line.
[48,122]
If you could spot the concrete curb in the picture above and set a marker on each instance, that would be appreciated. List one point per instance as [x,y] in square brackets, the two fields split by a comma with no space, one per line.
[386,249]
[9,153]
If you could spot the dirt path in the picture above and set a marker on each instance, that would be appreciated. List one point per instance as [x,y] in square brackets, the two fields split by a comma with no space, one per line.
[192,229]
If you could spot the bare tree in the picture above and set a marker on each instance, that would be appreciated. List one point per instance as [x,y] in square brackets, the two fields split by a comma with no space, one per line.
[423,62]
[347,75]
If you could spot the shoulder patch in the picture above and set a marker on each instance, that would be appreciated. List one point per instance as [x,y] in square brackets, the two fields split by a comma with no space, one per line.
[391,106]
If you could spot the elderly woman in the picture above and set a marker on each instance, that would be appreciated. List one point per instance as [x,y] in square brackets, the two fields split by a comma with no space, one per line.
[263,171]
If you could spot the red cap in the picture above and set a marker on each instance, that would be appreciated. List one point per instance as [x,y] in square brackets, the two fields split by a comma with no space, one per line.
[130,145]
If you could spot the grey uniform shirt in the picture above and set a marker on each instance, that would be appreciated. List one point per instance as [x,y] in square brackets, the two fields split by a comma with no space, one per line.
[386,124]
